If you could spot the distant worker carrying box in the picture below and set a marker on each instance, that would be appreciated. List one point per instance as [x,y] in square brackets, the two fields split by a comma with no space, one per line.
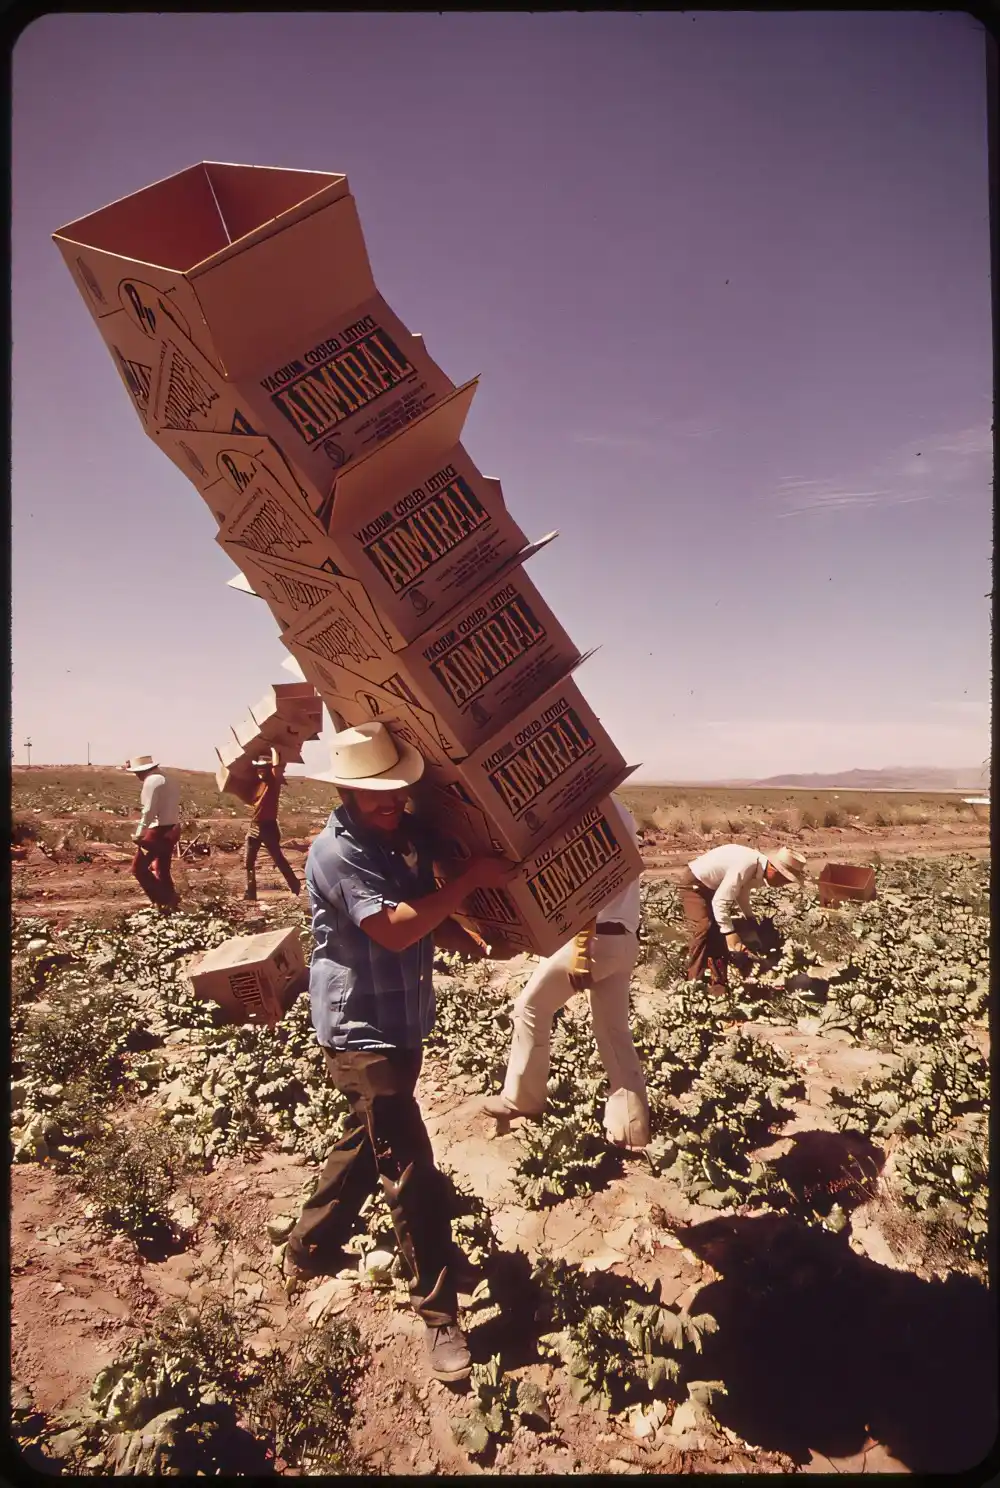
[263,830]
[713,888]
[158,831]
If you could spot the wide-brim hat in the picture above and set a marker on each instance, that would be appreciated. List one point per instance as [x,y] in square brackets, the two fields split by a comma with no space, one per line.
[140,762]
[369,758]
[790,864]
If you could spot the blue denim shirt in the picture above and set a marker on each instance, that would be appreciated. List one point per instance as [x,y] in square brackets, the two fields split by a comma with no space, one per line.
[362,996]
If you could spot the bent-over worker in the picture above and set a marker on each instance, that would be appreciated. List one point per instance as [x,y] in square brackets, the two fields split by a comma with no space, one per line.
[263,830]
[716,885]
[375,907]
[158,831]
[612,951]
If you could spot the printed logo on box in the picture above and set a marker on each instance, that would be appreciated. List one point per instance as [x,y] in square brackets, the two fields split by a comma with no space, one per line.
[484,644]
[566,870]
[422,528]
[270,526]
[139,299]
[90,283]
[188,393]
[241,424]
[138,379]
[338,637]
[336,379]
[245,987]
[549,747]
[493,905]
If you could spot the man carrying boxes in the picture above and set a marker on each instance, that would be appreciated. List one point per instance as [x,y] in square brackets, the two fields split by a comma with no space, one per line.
[158,831]
[263,830]
[375,907]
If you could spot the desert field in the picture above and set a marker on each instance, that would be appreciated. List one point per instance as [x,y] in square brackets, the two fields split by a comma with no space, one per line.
[791,1279]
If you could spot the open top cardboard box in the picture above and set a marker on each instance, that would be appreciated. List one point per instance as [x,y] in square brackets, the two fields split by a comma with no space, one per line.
[474,672]
[260,277]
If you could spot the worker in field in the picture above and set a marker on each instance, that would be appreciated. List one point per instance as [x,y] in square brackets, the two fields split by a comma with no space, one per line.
[713,888]
[375,907]
[263,830]
[601,962]
[158,831]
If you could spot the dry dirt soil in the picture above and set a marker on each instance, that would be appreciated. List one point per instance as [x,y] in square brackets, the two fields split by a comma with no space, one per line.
[77,1295]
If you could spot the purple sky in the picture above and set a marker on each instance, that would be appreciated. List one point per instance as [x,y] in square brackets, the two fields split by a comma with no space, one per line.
[725,278]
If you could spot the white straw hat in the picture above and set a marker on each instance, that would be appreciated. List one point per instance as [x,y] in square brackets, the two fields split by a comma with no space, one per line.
[790,864]
[369,758]
[140,762]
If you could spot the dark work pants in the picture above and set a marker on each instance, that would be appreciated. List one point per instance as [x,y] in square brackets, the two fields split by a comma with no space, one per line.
[707,948]
[151,864]
[386,1141]
[266,834]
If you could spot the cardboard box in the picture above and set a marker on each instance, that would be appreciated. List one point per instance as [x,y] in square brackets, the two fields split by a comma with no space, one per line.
[255,978]
[237,780]
[264,274]
[562,886]
[194,250]
[418,524]
[840,881]
[533,775]
[474,671]
[222,466]
[291,590]
[350,699]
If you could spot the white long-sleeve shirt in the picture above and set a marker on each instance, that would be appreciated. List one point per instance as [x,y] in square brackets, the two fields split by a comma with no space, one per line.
[160,802]
[732,871]
[627,908]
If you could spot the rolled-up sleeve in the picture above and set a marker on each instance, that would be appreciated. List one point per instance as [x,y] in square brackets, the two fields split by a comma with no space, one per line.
[727,898]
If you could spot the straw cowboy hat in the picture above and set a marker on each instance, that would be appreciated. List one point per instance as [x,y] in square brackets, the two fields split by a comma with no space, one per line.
[369,758]
[791,865]
[140,763]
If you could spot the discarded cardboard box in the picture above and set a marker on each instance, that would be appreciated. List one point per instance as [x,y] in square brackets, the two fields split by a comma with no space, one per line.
[563,885]
[254,978]
[474,671]
[839,881]
[264,274]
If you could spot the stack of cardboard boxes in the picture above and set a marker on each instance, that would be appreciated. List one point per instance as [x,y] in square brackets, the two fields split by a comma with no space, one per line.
[288,716]
[239,306]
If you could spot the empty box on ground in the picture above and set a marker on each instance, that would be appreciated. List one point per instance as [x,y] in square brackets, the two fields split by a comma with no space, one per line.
[260,276]
[253,977]
[839,881]
[474,671]
[562,886]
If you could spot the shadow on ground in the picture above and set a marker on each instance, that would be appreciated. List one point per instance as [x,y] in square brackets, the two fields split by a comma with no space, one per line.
[820,1348]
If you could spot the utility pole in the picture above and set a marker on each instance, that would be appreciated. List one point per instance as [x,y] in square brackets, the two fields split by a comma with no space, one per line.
[27,745]
[88,755]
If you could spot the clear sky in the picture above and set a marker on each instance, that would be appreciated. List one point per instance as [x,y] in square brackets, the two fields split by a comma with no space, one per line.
[725,277]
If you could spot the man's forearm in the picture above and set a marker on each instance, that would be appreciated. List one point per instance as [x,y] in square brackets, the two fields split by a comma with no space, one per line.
[399,928]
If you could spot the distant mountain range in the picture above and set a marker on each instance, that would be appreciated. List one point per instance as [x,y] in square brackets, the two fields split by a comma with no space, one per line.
[894,777]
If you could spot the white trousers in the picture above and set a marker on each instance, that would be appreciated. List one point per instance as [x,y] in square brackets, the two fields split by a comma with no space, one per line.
[613,957]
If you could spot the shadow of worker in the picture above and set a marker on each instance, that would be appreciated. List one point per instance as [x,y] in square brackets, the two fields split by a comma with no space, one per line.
[820,1348]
